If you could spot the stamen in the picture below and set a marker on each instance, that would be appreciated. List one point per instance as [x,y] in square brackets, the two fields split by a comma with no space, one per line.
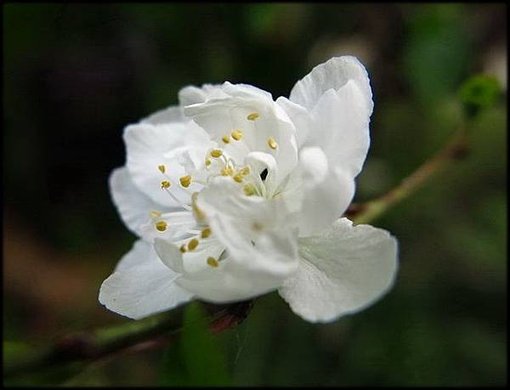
[161,226]
[253,116]
[272,143]
[183,248]
[192,244]
[245,171]
[162,168]
[165,184]
[216,153]
[249,189]
[206,232]
[211,261]
[238,177]
[155,214]
[207,162]
[199,214]
[225,139]
[227,171]
[237,134]
[185,181]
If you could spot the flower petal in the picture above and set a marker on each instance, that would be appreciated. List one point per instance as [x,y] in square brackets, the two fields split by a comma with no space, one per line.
[171,114]
[132,205]
[265,125]
[338,98]
[341,272]
[142,285]
[319,193]
[149,146]
[299,116]
[341,128]
[332,74]
[230,282]
[257,233]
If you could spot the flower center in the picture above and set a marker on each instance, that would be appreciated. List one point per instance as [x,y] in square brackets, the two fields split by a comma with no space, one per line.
[227,160]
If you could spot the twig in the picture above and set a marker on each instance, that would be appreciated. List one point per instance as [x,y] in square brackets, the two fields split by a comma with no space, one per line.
[90,346]
[455,149]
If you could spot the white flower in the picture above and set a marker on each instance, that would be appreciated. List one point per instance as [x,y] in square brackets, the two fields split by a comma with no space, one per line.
[234,195]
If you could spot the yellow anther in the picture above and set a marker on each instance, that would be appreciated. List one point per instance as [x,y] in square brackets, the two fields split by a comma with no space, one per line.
[227,171]
[165,184]
[237,134]
[238,177]
[249,190]
[197,212]
[245,170]
[225,139]
[207,162]
[211,261]
[185,181]
[183,248]
[192,244]
[216,153]
[162,168]
[161,226]
[155,214]
[206,232]
[272,143]
[253,116]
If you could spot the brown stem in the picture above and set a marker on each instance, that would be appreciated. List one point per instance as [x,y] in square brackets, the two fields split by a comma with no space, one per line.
[455,149]
[90,346]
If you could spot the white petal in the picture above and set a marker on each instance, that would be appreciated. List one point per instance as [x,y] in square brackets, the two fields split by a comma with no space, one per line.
[219,116]
[230,282]
[169,254]
[318,192]
[139,289]
[332,74]
[171,114]
[150,146]
[338,98]
[178,225]
[257,233]
[341,272]
[132,205]
[191,263]
[193,95]
[341,128]
[300,117]
[135,257]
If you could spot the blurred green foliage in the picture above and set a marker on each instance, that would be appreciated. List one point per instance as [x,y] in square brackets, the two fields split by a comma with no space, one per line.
[76,74]
[197,358]
[478,93]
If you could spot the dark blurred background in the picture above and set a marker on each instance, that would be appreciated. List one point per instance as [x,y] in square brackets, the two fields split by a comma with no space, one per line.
[75,75]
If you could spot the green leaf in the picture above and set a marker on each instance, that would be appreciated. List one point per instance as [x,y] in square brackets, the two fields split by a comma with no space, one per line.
[478,93]
[197,358]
